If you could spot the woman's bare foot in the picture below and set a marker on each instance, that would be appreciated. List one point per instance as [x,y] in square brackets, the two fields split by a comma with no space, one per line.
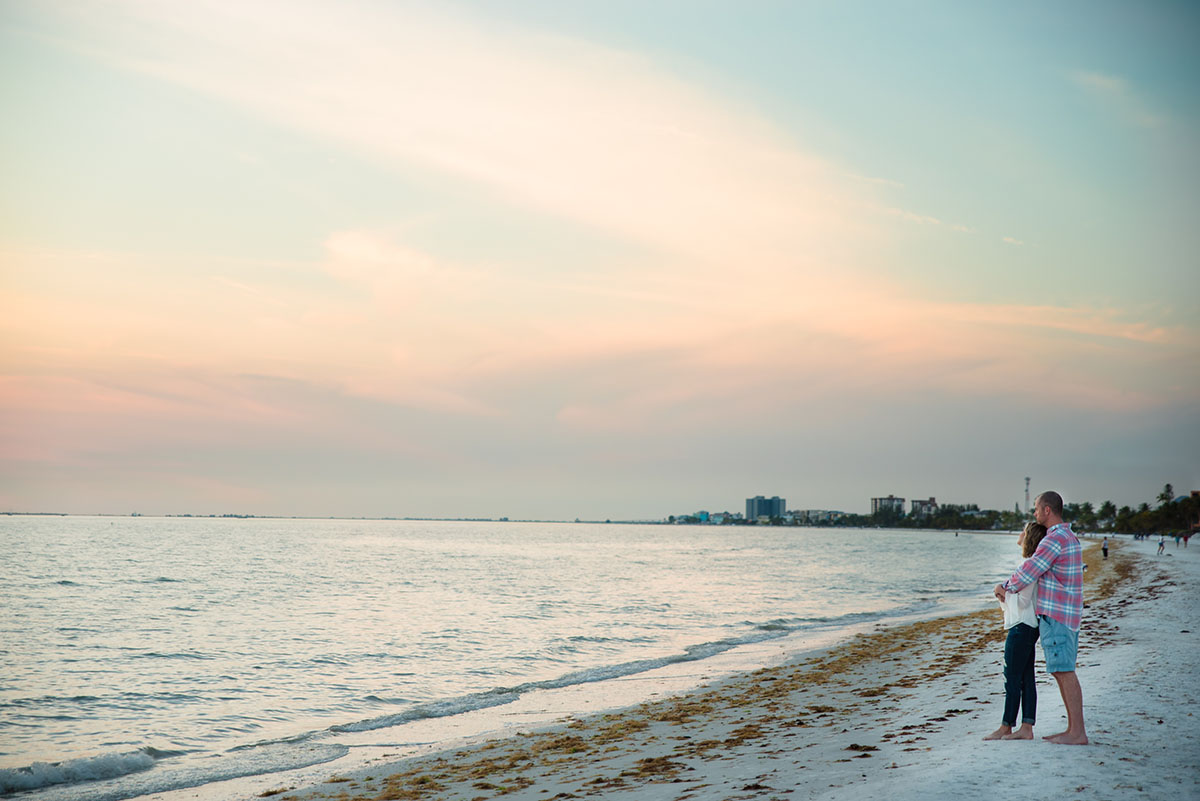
[1023,733]
[1000,733]
[1068,738]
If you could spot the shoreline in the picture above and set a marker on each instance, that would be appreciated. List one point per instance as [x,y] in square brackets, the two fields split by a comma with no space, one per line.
[904,705]
[550,709]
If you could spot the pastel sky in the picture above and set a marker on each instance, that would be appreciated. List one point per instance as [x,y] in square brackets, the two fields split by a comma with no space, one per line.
[595,259]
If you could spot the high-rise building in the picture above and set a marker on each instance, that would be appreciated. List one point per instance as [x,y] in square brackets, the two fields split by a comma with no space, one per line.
[761,506]
[891,503]
[921,508]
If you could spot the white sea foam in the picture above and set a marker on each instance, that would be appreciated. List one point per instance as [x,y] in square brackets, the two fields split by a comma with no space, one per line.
[129,775]
[46,774]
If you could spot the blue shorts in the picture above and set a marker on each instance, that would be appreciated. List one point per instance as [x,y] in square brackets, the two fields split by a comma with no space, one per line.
[1059,644]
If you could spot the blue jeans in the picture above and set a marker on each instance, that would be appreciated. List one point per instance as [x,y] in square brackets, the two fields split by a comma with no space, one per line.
[1020,692]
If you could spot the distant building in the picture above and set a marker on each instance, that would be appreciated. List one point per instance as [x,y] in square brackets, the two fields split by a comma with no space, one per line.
[813,517]
[889,504]
[760,506]
[924,508]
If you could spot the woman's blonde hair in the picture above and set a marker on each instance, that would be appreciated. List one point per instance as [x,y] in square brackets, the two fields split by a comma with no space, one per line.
[1033,535]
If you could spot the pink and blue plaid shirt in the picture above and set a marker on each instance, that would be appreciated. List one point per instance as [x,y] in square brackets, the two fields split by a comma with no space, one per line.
[1057,566]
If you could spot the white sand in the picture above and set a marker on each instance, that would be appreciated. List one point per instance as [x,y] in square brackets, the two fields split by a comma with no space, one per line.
[1141,687]
[899,716]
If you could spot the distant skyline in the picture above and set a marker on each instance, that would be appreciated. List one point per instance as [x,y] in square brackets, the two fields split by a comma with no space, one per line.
[598,259]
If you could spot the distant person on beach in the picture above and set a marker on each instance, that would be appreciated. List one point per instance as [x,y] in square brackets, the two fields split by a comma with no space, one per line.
[1057,567]
[1162,543]
[1104,547]
[1020,618]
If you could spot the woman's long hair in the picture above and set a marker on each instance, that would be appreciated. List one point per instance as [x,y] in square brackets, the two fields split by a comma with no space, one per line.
[1033,535]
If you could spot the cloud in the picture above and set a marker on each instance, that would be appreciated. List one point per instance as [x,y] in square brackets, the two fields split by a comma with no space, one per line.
[749,293]
[908,216]
[361,375]
[1102,83]
[923,219]
[1119,97]
[558,126]
[901,213]
[1011,240]
[397,326]
[885,182]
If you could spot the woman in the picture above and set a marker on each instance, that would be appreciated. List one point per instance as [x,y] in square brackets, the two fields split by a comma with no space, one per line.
[1020,618]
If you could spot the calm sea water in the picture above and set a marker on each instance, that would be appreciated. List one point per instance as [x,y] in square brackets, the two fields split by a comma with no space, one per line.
[144,654]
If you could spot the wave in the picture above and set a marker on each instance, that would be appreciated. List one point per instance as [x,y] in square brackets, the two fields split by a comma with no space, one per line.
[500,696]
[433,709]
[377,699]
[156,580]
[182,655]
[787,625]
[84,769]
[601,640]
[85,779]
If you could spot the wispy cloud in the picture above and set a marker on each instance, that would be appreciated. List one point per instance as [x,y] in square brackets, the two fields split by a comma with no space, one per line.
[1011,240]
[913,217]
[1102,83]
[1119,96]
[397,325]
[885,182]
[559,126]
[923,219]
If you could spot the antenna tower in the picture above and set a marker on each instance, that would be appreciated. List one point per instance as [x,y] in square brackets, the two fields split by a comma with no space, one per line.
[1026,496]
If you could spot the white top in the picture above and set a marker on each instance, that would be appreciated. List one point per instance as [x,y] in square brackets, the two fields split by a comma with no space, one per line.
[1021,607]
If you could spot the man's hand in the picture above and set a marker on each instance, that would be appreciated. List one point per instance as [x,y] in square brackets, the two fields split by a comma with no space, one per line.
[999,592]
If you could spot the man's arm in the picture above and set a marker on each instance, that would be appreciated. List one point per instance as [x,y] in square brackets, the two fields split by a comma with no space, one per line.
[1032,568]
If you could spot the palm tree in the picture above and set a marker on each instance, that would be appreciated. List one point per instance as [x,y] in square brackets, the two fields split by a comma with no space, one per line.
[1167,495]
[1087,516]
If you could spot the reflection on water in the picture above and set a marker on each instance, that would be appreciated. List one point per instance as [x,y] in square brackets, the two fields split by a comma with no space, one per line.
[199,635]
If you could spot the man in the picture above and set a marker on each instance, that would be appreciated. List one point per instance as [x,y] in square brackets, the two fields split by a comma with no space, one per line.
[1057,565]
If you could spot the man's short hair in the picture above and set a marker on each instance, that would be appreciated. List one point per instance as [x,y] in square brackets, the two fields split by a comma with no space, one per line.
[1052,500]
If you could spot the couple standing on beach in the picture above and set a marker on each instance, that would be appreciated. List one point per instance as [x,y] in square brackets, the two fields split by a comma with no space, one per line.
[1044,598]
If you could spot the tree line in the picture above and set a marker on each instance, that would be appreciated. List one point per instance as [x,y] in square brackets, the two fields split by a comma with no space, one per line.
[1168,515]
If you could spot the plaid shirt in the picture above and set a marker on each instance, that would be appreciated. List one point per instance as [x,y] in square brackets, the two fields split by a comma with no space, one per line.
[1057,566]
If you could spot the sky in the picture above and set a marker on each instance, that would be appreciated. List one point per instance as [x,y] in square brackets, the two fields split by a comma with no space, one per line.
[595,259]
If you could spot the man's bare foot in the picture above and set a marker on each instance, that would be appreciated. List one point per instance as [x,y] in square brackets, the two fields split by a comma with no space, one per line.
[1023,733]
[1068,738]
[1000,733]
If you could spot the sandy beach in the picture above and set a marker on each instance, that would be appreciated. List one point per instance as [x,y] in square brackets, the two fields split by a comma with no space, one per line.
[898,712]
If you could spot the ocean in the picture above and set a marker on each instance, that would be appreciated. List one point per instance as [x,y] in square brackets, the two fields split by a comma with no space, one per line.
[142,655]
